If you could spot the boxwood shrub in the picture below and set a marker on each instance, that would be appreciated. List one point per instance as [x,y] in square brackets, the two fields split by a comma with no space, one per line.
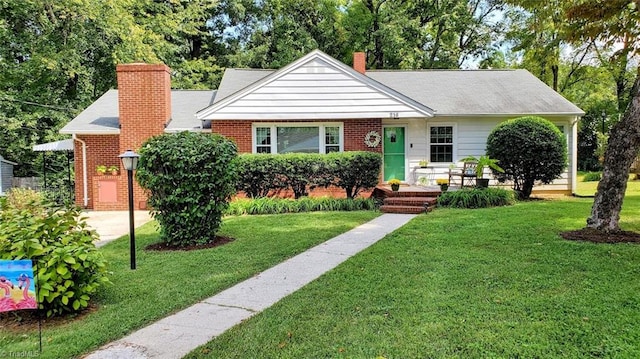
[190,178]
[592,177]
[529,149]
[68,267]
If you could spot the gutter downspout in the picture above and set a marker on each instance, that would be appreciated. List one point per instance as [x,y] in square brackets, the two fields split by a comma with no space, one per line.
[84,170]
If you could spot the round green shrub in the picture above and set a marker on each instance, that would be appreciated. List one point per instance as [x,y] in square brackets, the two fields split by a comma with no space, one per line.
[476,198]
[68,267]
[592,177]
[190,178]
[529,149]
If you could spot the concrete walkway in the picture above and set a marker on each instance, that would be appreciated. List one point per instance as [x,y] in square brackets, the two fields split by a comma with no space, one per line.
[177,335]
[113,224]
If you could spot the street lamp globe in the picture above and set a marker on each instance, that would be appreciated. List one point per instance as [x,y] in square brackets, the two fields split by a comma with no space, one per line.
[129,160]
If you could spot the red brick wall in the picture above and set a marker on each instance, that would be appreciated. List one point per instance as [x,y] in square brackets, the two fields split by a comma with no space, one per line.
[354,131]
[101,150]
[144,105]
[144,102]
[238,131]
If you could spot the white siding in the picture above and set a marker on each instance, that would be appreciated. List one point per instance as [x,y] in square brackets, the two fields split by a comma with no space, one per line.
[315,90]
[470,140]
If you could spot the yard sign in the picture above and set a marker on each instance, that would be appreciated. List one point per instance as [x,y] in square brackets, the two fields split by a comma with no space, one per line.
[17,286]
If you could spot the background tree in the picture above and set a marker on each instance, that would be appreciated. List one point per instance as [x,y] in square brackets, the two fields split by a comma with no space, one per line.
[611,22]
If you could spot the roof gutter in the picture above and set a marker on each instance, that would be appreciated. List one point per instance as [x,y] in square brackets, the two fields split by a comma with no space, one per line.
[84,171]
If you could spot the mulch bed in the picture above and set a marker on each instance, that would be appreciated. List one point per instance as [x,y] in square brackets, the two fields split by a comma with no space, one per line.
[27,320]
[219,241]
[596,236]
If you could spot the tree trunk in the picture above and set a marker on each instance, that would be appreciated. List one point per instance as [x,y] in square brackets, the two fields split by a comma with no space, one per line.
[622,149]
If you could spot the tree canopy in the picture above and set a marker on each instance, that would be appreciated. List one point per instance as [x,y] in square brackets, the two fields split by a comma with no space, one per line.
[59,56]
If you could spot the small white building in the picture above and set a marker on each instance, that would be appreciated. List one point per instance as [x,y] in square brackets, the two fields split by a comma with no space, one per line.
[6,175]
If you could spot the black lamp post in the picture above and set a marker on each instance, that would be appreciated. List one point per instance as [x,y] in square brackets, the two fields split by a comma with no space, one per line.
[604,117]
[130,163]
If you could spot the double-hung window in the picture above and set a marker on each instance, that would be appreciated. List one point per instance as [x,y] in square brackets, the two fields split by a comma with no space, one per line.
[298,138]
[441,144]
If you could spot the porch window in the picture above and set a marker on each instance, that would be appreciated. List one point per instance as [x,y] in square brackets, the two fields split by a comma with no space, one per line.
[441,144]
[298,138]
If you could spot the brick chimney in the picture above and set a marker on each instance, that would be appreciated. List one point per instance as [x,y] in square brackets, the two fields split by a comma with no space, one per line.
[144,102]
[359,62]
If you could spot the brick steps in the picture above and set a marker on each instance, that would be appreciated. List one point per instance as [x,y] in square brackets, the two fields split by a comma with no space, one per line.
[408,200]
[402,209]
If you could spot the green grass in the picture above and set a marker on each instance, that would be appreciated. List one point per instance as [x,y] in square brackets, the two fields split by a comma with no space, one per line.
[483,283]
[590,188]
[166,282]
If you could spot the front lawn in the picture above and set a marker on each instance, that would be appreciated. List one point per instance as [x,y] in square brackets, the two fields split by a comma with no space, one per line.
[165,282]
[486,283]
[590,188]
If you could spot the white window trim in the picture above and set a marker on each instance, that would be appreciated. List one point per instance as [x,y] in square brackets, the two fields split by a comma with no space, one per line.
[454,147]
[274,133]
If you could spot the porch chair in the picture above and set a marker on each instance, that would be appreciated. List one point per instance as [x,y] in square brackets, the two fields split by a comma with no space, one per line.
[466,174]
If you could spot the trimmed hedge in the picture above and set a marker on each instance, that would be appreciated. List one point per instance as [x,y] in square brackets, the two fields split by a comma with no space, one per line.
[267,205]
[261,175]
[476,198]
[190,178]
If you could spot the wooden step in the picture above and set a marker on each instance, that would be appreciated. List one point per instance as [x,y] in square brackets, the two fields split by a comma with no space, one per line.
[403,209]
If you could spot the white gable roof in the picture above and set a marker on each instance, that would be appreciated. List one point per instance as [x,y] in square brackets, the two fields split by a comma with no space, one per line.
[316,86]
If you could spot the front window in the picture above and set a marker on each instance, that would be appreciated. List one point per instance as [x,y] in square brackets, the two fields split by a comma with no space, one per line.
[263,140]
[441,144]
[297,138]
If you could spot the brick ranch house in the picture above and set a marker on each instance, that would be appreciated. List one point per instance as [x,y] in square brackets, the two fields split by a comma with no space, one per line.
[316,104]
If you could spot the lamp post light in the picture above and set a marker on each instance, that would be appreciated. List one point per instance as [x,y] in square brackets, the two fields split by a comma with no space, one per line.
[130,163]
[604,117]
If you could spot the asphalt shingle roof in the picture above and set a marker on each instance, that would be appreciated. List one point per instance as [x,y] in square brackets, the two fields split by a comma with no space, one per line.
[448,92]
[477,92]
[101,117]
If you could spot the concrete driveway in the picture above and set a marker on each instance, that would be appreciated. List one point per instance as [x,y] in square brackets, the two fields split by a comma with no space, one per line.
[113,224]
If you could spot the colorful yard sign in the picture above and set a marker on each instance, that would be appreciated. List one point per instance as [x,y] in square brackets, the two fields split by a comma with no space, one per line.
[17,287]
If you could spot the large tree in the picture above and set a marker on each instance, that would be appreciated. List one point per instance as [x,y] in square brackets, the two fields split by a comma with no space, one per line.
[612,22]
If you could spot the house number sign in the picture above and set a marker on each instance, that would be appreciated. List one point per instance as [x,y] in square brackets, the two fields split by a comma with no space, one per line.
[372,139]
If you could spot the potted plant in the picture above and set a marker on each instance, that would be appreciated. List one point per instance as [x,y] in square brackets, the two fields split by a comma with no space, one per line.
[423,163]
[101,170]
[483,162]
[113,170]
[443,183]
[394,183]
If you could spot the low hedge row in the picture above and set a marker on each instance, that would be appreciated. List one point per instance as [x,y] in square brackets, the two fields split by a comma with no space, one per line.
[260,175]
[267,205]
[477,198]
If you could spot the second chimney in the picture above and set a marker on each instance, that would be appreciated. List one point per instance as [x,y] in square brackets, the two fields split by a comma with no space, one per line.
[359,62]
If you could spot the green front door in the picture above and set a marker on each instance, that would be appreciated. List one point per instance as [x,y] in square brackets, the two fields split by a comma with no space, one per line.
[393,153]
